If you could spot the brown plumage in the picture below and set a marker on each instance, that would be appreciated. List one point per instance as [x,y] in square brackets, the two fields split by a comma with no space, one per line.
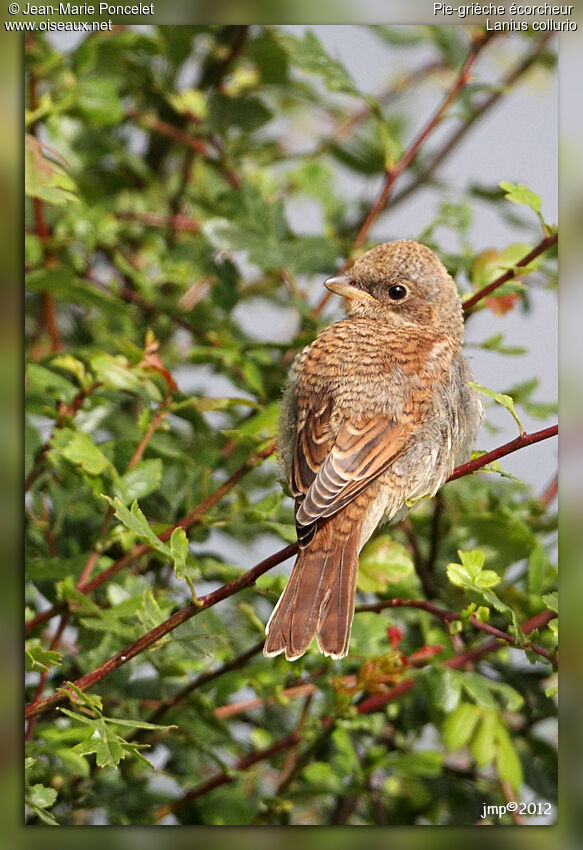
[377,412]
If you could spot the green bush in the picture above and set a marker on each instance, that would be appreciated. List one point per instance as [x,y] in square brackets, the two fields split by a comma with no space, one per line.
[167,292]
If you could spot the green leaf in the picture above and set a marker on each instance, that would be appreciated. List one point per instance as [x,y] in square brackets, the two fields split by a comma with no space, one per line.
[39,796]
[459,726]
[45,177]
[483,746]
[81,451]
[384,564]
[322,778]
[99,100]
[135,520]
[179,550]
[505,400]
[38,658]
[308,54]
[246,113]
[551,600]
[114,371]
[507,760]
[496,343]
[520,194]
[477,688]
[443,687]
[140,481]
[67,287]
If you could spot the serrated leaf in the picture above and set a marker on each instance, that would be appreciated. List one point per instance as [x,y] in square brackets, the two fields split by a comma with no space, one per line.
[38,659]
[551,600]
[41,796]
[44,177]
[308,54]
[135,520]
[518,193]
[503,399]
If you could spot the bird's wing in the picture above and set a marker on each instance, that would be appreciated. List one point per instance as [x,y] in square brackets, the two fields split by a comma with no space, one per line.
[312,444]
[362,451]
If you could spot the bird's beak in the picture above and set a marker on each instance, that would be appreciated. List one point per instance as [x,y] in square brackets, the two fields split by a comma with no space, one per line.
[344,285]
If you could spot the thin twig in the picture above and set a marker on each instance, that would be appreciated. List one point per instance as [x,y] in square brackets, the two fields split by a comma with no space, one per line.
[225,777]
[369,705]
[180,617]
[456,137]
[542,246]
[550,492]
[246,580]
[191,519]
[502,451]
[392,175]
[204,679]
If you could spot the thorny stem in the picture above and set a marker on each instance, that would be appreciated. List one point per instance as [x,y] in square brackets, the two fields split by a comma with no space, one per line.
[247,579]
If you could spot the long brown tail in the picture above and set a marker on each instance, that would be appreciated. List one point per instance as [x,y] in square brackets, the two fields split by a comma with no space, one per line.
[319,596]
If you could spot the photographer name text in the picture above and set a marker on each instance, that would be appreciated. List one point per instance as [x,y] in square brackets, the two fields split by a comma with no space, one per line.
[87,9]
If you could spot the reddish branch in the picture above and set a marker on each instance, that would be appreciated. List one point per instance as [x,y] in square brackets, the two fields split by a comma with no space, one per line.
[542,246]
[371,704]
[453,141]
[245,580]
[225,777]
[501,451]
[154,635]
[395,172]
[191,519]
[461,659]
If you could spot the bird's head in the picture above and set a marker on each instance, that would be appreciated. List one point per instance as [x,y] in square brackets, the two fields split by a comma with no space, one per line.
[401,283]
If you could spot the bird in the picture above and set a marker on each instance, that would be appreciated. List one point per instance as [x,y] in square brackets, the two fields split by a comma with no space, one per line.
[377,412]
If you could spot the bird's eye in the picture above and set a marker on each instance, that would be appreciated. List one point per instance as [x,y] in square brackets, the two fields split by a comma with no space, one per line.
[397,292]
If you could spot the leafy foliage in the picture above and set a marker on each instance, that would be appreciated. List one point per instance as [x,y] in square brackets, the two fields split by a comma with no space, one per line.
[168,285]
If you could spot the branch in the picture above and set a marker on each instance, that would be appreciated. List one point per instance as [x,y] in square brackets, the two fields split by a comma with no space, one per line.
[226,777]
[191,519]
[151,219]
[395,172]
[542,246]
[378,701]
[154,635]
[245,580]
[449,616]
[65,411]
[502,451]
[204,679]
[509,80]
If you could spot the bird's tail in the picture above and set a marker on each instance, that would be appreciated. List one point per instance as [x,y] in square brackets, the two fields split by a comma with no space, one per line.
[319,596]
